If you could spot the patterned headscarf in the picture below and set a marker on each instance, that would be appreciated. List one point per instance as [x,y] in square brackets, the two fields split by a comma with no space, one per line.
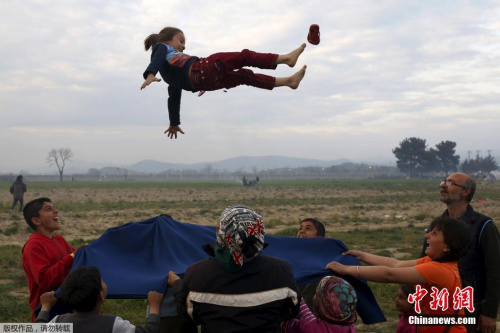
[335,301]
[241,231]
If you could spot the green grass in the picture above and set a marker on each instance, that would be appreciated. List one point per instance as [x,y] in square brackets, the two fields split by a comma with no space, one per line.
[12,229]
[393,191]
[115,185]
[385,197]
[13,308]
[408,240]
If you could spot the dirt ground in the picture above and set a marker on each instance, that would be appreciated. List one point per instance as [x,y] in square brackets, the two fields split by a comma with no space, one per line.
[85,213]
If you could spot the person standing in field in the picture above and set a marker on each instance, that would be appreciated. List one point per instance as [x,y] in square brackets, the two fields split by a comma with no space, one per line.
[47,257]
[481,264]
[17,189]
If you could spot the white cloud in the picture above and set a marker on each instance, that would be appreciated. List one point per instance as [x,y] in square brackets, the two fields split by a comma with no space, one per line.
[383,71]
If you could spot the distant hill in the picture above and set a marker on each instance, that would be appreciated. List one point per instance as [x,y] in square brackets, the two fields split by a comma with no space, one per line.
[152,166]
[242,164]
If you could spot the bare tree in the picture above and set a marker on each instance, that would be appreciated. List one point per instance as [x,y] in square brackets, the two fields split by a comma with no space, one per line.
[59,158]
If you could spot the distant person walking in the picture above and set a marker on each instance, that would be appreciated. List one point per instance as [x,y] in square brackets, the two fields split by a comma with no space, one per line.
[17,189]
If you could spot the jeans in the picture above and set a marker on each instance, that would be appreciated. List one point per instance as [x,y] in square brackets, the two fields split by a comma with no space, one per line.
[15,202]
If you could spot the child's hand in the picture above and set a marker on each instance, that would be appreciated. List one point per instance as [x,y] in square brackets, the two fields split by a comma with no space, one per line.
[172,131]
[354,253]
[337,268]
[172,277]
[154,302]
[149,79]
[80,246]
[47,300]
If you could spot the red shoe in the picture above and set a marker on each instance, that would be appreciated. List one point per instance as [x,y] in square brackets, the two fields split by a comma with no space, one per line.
[313,36]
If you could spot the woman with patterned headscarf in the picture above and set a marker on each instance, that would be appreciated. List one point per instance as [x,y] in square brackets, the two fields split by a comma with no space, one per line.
[335,303]
[237,289]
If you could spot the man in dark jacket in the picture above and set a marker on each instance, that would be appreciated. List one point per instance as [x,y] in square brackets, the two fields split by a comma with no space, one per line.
[481,264]
[237,290]
[17,189]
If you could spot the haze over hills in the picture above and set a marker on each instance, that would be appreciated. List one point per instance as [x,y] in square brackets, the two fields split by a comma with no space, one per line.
[247,164]
[242,163]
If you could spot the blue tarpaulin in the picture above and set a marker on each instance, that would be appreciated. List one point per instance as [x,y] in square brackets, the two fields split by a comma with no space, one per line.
[135,258]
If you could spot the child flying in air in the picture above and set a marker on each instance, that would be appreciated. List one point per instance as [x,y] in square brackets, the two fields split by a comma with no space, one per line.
[217,71]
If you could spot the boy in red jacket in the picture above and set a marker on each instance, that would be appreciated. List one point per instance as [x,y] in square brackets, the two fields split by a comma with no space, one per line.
[47,257]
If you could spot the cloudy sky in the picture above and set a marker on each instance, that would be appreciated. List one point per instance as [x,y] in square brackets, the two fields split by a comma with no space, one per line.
[384,70]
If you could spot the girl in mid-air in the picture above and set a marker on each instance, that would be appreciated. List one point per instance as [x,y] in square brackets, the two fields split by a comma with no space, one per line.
[218,71]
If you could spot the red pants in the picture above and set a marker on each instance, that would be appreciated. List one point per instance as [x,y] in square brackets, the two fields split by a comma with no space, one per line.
[225,70]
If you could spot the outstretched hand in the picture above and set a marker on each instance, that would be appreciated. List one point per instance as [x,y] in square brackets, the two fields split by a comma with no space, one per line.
[487,324]
[154,302]
[149,79]
[354,253]
[337,267]
[172,131]
[172,277]
[48,300]
[81,246]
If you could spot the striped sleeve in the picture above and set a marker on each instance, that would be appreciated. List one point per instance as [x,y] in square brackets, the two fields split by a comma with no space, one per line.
[305,316]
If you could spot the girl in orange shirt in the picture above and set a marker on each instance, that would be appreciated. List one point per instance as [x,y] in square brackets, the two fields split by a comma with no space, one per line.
[448,240]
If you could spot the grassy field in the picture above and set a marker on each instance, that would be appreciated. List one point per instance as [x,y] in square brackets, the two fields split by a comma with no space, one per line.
[386,217]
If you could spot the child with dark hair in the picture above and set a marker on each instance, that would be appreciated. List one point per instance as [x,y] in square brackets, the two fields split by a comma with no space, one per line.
[47,257]
[85,292]
[448,240]
[405,309]
[310,227]
[335,304]
[217,71]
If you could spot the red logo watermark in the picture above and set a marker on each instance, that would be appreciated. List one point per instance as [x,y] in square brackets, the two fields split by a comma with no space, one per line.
[462,298]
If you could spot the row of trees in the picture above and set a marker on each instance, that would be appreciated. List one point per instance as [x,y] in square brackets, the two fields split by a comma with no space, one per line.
[414,159]
[479,165]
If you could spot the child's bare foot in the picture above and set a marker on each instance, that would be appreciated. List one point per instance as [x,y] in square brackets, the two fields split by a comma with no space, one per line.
[297,77]
[291,81]
[291,58]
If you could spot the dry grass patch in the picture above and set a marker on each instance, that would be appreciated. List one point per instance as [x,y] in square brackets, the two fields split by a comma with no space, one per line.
[384,217]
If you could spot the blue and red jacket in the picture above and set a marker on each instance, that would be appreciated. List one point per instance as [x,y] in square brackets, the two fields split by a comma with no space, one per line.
[174,69]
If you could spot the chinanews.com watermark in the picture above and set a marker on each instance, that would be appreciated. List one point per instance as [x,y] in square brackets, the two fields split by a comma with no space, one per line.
[461,299]
[441,320]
